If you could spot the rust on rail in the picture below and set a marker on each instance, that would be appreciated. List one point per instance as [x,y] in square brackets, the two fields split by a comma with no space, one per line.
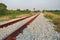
[10,23]
[20,30]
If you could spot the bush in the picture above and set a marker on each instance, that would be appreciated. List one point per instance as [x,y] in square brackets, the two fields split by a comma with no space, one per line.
[56,21]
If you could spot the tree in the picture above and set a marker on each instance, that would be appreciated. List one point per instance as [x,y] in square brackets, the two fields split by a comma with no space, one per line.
[27,10]
[3,9]
[18,10]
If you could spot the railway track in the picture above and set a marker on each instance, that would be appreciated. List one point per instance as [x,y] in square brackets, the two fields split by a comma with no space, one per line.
[31,29]
[13,35]
[10,23]
[12,26]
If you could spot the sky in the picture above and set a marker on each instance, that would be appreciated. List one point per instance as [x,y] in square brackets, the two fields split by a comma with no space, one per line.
[30,4]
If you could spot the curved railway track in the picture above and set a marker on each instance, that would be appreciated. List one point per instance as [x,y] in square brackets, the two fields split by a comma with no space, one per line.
[13,35]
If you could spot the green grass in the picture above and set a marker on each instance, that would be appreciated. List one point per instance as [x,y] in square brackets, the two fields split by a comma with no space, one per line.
[11,14]
[58,13]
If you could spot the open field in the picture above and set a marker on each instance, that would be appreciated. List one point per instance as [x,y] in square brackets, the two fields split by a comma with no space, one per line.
[55,17]
[15,14]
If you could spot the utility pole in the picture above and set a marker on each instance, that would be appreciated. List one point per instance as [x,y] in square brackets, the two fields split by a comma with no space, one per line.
[34,9]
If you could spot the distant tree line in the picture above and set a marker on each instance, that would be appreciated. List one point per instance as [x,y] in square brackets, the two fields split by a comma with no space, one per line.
[51,10]
[5,11]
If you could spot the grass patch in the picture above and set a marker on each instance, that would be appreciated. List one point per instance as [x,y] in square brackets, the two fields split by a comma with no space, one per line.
[55,17]
[14,14]
[49,17]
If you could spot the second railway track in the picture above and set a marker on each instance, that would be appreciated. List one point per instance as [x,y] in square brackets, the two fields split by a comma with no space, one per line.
[12,22]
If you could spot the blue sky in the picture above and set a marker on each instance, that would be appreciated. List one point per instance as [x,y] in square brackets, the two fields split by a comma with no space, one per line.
[30,4]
